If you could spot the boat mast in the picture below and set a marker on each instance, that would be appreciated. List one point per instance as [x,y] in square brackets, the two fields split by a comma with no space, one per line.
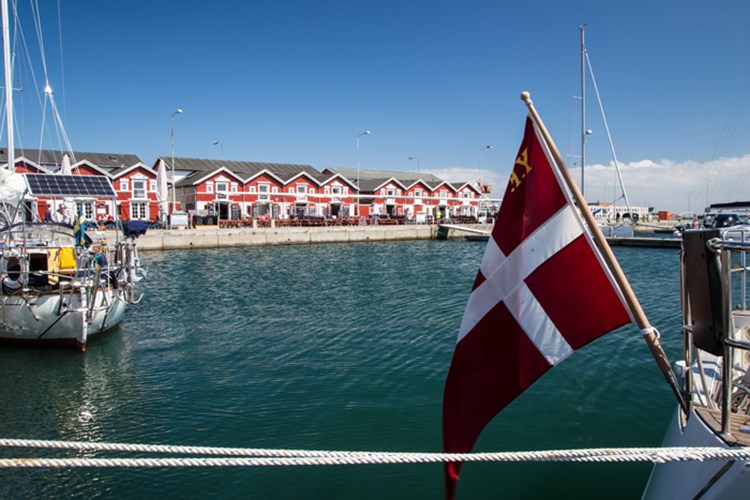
[583,106]
[8,87]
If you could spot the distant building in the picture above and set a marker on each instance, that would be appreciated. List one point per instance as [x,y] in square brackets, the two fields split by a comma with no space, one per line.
[234,190]
[134,183]
[610,211]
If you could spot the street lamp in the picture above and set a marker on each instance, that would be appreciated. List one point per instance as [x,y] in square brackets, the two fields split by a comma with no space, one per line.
[174,201]
[366,132]
[488,146]
[481,188]
[221,147]
[415,158]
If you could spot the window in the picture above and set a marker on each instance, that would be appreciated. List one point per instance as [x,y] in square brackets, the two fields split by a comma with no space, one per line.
[123,184]
[152,186]
[139,188]
[222,186]
[327,190]
[443,194]
[390,192]
[263,190]
[301,189]
[312,190]
[418,193]
[275,189]
[209,187]
[234,187]
[291,190]
[252,189]
[346,190]
[138,210]
[85,207]
[336,189]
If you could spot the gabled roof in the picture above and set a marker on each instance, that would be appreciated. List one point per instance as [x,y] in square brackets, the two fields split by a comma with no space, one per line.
[243,169]
[403,177]
[330,178]
[90,165]
[124,170]
[372,185]
[263,172]
[30,163]
[203,176]
[49,157]
[458,186]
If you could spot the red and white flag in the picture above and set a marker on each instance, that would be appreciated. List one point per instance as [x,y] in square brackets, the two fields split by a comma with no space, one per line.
[542,292]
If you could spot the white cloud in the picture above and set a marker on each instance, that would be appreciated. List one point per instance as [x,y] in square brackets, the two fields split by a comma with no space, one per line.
[663,184]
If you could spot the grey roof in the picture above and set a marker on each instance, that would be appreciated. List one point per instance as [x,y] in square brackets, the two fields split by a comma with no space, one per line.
[200,167]
[49,157]
[403,177]
[369,185]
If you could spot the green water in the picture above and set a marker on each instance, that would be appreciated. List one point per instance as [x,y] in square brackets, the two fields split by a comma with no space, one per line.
[341,346]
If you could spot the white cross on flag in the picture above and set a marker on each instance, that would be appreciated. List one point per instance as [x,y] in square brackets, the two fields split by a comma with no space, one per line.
[542,292]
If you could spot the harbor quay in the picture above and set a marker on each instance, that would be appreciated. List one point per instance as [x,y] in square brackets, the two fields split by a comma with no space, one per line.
[215,237]
[174,239]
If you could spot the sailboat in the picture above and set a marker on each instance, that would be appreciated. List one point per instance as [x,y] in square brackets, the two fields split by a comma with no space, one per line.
[57,284]
[623,227]
[715,369]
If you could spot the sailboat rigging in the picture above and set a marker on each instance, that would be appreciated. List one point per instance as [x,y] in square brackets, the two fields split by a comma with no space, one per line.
[57,284]
[609,230]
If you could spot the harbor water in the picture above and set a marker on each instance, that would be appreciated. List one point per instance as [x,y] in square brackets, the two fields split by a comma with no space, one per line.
[335,347]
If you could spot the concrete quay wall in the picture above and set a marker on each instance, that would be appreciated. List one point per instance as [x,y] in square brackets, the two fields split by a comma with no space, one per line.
[244,237]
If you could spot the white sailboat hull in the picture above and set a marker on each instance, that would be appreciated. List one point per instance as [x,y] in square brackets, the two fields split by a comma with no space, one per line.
[44,318]
[705,480]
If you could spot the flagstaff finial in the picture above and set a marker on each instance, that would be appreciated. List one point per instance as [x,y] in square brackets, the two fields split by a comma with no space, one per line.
[526,97]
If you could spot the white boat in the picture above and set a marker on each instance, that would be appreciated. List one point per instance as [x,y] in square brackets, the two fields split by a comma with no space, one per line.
[716,329]
[56,284]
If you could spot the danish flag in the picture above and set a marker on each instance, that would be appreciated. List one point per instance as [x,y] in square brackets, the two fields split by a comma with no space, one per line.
[542,292]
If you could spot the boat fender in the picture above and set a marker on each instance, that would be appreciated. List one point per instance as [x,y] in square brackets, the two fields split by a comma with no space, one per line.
[11,267]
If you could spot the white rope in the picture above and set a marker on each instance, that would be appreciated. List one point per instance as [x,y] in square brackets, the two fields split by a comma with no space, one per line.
[261,457]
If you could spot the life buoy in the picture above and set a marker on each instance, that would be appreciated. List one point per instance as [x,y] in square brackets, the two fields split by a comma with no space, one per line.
[12,265]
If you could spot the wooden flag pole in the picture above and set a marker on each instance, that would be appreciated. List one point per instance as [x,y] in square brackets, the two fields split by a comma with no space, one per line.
[634,306]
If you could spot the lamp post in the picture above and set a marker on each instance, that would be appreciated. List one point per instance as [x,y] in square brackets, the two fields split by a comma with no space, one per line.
[481,188]
[488,146]
[174,199]
[415,158]
[366,132]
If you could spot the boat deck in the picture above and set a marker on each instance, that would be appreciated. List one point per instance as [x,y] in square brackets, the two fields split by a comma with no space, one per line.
[736,421]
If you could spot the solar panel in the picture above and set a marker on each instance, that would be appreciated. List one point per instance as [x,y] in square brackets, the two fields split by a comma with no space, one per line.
[96,186]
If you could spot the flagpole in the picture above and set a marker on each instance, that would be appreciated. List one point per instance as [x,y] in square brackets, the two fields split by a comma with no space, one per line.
[634,306]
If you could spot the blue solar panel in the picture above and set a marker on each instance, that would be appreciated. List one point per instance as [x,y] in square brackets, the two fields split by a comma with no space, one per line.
[96,186]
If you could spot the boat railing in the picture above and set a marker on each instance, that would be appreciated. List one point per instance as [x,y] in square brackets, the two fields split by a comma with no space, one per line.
[716,323]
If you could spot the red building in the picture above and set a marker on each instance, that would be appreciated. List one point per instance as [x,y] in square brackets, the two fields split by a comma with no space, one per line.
[134,183]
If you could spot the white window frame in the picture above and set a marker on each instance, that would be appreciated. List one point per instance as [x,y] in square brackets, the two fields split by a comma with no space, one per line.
[139,210]
[138,193]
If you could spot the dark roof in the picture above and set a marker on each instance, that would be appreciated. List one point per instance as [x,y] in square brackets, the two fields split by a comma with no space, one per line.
[403,177]
[370,185]
[200,167]
[49,157]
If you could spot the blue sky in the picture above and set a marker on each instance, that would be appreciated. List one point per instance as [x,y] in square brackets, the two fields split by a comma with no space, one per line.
[296,81]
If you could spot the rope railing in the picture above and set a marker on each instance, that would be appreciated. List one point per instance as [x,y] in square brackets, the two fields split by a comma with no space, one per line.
[263,457]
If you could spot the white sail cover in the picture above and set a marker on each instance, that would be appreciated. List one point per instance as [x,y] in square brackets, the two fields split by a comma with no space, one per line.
[12,187]
[161,189]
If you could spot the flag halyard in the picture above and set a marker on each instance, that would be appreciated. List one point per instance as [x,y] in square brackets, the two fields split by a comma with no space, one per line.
[541,293]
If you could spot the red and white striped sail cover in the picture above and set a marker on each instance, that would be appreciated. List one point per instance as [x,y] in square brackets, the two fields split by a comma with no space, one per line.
[542,292]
